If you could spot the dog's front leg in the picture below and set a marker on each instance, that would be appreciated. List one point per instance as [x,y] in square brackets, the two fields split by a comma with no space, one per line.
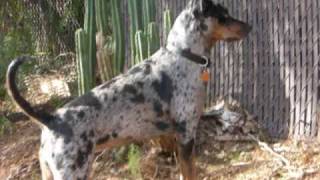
[187,120]
[186,159]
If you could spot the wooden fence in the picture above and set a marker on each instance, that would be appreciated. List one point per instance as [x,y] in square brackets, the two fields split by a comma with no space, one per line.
[274,73]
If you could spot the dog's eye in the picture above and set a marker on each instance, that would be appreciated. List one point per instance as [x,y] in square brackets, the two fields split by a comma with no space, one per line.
[222,19]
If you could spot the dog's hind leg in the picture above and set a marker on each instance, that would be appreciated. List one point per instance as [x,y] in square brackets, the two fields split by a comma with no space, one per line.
[46,173]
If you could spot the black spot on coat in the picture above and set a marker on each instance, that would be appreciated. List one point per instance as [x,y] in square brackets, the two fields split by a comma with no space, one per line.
[136,98]
[129,89]
[114,134]
[81,114]
[164,87]
[104,139]
[105,97]
[157,107]
[59,161]
[140,84]
[139,98]
[147,69]
[181,126]
[68,115]
[81,158]
[91,133]
[61,129]
[162,125]
[83,155]
[86,100]
[83,136]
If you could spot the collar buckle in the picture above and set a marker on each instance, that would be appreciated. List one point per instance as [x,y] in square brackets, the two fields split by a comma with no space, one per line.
[207,62]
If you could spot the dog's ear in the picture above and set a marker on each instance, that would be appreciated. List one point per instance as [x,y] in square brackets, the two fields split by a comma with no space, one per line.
[205,5]
[201,7]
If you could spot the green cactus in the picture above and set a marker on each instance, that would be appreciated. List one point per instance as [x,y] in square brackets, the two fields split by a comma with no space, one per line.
[149,13]
[102,16]
[86,50]
[142,13]
[82,57]
[104,41]
[135,25]
[144,38]
[147,43]
[141,45]
[108,50]
[153,38]
[167,22]
[118,36]
[104,57]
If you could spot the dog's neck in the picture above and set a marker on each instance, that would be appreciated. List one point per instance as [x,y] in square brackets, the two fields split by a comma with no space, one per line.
[185,35]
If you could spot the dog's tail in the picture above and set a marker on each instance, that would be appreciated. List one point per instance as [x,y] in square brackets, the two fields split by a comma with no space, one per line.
[39,117]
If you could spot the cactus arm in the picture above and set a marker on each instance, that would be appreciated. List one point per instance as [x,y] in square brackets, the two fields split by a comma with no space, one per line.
[135,25]
[149,13]
[118,32]
[82,60]
[141,46]
[167,22]
[153,38]
[86,50]
[90,29]
[102,16]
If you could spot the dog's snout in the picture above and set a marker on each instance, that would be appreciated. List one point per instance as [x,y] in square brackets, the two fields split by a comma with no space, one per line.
[245,29]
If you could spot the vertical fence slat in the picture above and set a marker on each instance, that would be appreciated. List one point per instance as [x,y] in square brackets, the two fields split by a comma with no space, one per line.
[240,59]
[281,85]
[276,68]
[231,60]
[244,58]
[316,55]
[260,61]
[236,61]
[252,58]
[264,118]
[298,68]
[269,92]
[292,68]
[287,24]
[303,62]
[216,73]
[309,67]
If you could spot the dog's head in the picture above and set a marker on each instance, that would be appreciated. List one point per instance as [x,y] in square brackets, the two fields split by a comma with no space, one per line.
[216,23]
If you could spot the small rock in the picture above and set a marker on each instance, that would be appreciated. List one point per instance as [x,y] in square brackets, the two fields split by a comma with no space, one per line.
[206,152]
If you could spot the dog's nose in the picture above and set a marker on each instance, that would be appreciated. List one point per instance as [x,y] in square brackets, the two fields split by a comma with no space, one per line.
[248,29]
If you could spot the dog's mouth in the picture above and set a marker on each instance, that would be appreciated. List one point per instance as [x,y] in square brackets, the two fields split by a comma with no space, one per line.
[232,39]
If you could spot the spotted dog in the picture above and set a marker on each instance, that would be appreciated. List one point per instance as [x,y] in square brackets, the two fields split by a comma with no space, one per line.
[163,95]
